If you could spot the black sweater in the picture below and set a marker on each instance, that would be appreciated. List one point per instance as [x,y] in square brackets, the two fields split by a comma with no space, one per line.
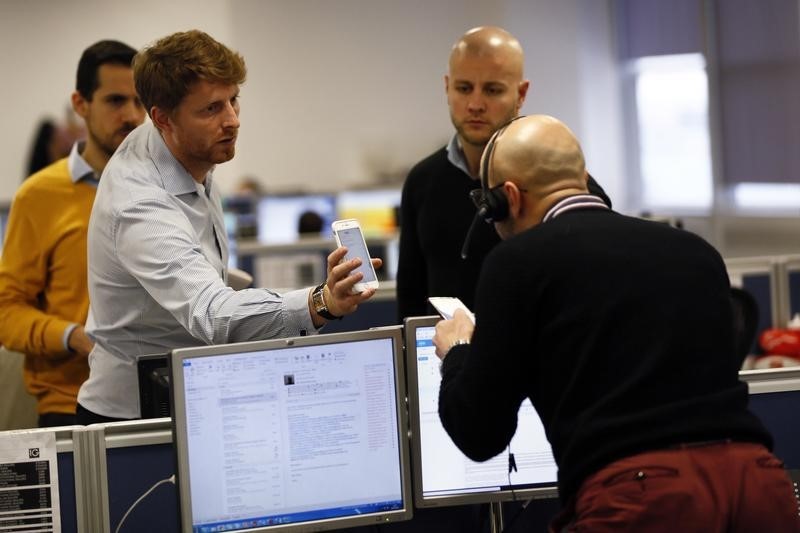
[436,213]
[619,331]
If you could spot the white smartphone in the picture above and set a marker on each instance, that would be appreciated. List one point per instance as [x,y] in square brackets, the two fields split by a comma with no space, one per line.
[446,306]
[348,233]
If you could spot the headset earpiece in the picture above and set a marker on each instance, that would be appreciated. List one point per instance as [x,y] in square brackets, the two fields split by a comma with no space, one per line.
[493,205]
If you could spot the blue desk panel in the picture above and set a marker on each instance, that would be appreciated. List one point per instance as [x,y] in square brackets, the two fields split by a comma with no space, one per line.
[66,493]
[132,471]
[758,285]
[794,293]
[778,411]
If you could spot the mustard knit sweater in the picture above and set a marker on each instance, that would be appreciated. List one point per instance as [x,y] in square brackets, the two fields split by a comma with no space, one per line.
[43,285]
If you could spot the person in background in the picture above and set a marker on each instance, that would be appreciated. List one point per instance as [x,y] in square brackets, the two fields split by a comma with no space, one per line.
[43,292]
[45,149]
[485,88]
[620,332]
[309,224]
[158,249]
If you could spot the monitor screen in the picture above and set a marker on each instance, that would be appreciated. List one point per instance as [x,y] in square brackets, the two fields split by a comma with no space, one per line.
[279,217]
[375,209]
[442,474]
[306,433]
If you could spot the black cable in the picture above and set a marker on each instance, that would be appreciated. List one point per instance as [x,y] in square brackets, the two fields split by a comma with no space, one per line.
[512,465]
[478,216]
[519,512]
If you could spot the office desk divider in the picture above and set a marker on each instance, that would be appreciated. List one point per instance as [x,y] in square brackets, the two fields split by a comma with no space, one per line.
[775,399]
[788,287]
[759,276]
[104,468]
[67,478]
[116,463]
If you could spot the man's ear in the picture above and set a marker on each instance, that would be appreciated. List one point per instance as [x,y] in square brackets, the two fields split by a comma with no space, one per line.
[522,91]
[160,118]
[79,104]
[514,198]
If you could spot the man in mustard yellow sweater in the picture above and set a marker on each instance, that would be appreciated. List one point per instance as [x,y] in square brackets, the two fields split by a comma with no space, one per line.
[44,300]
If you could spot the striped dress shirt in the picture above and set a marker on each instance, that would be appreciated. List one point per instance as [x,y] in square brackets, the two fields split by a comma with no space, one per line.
[158,256]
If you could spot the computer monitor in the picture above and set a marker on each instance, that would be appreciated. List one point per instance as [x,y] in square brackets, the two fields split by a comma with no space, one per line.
[775,398]
[307,433]
[153,374]
[279,216]
[375,209]
[441,474]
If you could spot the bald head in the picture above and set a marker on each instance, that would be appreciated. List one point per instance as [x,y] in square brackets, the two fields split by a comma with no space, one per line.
[484,87]
[489,42]
[540,154]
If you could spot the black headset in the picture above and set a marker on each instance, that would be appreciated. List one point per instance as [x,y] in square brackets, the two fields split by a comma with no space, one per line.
[491,202]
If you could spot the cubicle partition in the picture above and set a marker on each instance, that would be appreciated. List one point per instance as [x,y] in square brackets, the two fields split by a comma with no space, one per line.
[759,277]
[67,476]
[775,399]
[104,469]
[789,286]
[120,462]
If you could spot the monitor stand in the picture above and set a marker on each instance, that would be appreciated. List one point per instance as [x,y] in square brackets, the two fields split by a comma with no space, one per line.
[495,517]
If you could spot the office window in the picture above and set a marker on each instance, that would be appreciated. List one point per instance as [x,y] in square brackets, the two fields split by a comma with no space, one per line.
[767,196]
[741,60]
[672,126]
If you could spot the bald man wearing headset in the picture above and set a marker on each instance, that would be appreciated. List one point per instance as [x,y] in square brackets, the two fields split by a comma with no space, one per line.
[619,330]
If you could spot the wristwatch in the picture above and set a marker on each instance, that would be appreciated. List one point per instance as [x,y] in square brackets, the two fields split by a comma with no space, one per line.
[318,299]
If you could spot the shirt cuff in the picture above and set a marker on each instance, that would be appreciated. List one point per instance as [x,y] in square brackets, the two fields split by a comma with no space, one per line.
[65,336]
[296,303]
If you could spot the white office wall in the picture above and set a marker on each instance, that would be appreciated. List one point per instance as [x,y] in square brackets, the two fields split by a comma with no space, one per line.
[339,93]
[42,41]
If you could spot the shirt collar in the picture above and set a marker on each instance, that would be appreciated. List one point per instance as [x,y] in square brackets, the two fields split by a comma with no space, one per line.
[176,179]
[456,155]
[79,169]
[578,201]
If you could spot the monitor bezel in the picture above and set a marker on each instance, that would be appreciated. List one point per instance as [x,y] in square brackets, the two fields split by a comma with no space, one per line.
[445,500]
[179,430]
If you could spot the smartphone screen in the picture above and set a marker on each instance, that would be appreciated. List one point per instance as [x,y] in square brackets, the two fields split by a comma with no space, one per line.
[353,239]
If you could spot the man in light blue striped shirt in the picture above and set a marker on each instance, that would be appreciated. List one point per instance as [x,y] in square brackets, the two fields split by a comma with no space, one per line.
[158,251]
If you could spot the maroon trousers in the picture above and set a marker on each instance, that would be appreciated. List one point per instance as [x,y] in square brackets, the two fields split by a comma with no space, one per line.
[713,487]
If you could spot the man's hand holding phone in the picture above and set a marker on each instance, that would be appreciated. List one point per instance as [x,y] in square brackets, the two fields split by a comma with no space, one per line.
[457,326]
[351,278]
[348,234]
[452,332]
